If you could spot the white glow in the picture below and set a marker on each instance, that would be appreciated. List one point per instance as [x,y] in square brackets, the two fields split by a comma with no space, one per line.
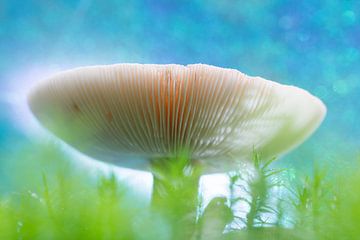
[19,84]
[214,185]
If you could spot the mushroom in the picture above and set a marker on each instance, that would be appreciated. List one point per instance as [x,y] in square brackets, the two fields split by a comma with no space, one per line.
[130,114]
[133,114]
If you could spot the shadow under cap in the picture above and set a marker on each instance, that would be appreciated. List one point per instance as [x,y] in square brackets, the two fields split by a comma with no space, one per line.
[128,114]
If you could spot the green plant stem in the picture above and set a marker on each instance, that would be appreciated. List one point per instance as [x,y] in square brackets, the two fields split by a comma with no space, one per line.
[175,194]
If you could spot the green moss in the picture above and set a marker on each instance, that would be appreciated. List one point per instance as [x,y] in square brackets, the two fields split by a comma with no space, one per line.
[54,200]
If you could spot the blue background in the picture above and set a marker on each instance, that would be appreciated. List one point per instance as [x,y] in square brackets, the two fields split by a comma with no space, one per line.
[310,44]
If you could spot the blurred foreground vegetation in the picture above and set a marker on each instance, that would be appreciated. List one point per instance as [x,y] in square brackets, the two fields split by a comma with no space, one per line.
[54,200]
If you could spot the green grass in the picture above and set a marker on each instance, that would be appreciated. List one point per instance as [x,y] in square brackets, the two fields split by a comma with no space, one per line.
[52,199]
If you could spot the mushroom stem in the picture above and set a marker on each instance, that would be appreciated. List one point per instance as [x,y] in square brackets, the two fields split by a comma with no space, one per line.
[175,194]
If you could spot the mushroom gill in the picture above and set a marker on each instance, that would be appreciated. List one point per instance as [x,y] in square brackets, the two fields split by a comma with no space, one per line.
[132,113]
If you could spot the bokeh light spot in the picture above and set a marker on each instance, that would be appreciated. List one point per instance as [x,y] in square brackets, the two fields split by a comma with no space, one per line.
[340,87]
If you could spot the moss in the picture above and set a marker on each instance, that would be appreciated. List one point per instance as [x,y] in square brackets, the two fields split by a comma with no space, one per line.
[62,203]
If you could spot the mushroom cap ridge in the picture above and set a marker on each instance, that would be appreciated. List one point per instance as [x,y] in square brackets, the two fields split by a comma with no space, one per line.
[129,114]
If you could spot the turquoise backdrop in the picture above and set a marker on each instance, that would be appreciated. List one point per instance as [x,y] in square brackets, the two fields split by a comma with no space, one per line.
[310,44]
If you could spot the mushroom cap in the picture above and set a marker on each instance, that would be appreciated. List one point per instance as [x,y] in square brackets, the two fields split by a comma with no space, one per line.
[129,114]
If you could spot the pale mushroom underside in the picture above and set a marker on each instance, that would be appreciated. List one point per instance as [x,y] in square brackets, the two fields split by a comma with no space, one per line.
[131,113]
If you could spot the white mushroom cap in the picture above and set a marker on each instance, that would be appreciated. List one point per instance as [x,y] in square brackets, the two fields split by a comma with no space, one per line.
[131,113]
